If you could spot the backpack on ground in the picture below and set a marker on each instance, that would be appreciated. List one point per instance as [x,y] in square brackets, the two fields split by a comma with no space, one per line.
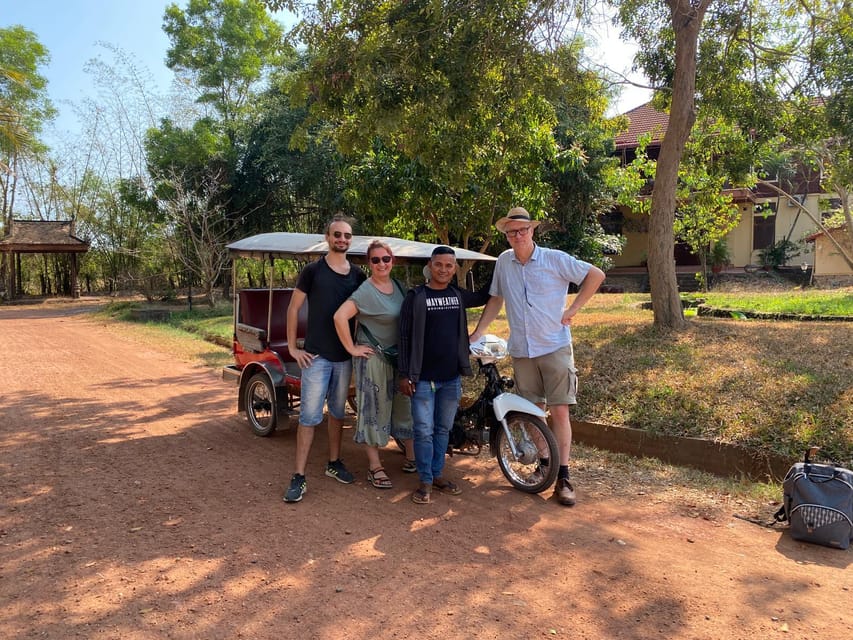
[818,503]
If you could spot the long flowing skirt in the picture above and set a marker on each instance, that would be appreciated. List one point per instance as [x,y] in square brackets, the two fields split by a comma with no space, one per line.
[382,411]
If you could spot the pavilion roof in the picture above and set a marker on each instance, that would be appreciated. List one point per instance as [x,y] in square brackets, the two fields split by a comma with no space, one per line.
[42,236]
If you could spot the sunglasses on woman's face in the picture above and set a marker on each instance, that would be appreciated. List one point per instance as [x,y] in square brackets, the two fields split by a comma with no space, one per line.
[376,259]
[338,234]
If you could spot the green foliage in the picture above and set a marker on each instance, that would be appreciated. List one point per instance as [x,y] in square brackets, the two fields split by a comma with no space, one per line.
[779,254]
[24,105]
[719,255]
[190,153]
[447,107]
[224,46]
[282,185]
[716,158]
[580,177]
[629,183]
[126,234]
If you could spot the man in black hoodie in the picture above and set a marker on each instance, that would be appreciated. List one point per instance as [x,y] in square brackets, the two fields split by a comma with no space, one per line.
[433,353]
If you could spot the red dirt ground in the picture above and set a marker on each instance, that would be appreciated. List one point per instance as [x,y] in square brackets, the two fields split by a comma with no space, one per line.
[136,504]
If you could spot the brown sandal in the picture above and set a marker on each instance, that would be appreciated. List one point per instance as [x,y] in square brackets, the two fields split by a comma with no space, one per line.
[446,486]
[421,495]
[380,482]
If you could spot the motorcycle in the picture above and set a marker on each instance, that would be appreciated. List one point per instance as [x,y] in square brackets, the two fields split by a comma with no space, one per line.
[514,428]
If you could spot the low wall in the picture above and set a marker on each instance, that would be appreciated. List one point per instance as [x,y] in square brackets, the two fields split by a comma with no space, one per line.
[833,281]
[717,458]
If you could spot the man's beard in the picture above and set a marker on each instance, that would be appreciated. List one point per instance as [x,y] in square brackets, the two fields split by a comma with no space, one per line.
[335,249]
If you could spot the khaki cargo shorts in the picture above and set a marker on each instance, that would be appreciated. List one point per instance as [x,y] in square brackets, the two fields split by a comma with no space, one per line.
[550,379]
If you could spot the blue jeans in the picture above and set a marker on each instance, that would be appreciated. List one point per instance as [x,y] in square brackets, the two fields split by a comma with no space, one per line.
[324,382]
[433,409]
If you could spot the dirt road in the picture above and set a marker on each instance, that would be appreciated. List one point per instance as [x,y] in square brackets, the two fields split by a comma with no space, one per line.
[136,504]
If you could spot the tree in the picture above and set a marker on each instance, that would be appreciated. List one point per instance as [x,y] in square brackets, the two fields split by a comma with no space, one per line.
[198,227]
[24,108]
[454,98]
[279,185]
[101,176]
[580,180]
[828,142]
[224,48]
[191,170]
[705,211]
[24,105]
[13,135]
[727,60]
[678,53]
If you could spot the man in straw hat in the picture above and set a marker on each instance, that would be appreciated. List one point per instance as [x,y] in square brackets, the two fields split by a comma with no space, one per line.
[534,282]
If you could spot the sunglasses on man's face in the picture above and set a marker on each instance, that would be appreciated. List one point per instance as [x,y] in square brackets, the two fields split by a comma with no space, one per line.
[377,259]
[338,234]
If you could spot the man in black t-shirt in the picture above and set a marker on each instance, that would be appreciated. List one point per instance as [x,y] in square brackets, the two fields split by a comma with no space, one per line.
[433,353]
[326,366]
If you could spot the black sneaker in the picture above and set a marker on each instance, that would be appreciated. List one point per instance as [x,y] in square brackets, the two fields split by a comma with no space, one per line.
[336,469]
[297,488]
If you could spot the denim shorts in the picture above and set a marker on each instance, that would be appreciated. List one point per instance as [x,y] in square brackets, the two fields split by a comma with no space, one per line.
[324,382]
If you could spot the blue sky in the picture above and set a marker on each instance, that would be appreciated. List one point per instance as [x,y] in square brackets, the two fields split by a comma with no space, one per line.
[71,30]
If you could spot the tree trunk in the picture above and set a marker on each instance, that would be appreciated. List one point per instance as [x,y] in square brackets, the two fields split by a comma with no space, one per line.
[666,303]
[842,191]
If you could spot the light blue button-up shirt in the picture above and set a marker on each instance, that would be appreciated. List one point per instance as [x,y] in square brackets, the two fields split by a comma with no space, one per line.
[535,296]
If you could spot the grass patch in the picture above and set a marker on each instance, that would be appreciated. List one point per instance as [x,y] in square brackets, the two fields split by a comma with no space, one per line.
[798,301]
[211,323]
[776,386]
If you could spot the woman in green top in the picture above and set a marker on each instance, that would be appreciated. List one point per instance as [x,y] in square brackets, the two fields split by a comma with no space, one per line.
[382,410]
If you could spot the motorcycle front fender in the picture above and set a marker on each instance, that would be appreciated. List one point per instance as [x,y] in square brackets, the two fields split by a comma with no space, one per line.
[506,402]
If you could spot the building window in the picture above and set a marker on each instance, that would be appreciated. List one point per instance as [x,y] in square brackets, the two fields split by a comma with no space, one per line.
[764,226]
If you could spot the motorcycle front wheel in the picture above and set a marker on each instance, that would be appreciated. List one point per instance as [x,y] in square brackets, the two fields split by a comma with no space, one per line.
[533,440]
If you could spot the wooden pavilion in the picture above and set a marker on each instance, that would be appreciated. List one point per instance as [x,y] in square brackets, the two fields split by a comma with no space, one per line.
[40,236]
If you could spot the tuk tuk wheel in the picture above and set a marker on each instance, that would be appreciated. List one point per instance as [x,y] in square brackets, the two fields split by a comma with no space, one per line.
[259,399]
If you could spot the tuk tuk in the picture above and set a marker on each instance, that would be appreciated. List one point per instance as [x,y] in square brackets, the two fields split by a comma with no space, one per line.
[266,375]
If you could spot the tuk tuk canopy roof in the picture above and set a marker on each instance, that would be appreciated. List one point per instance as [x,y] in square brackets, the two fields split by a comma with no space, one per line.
[312,245]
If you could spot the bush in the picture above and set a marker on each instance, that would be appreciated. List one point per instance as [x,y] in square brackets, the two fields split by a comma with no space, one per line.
[779,254]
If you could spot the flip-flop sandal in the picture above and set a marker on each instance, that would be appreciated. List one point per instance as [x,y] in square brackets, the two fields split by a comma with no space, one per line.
[380,482]
[421,496]
[446,486]
[410,467]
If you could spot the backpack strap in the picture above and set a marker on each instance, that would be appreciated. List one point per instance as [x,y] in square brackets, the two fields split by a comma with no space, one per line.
[399,286]
[370,338]
[778,518]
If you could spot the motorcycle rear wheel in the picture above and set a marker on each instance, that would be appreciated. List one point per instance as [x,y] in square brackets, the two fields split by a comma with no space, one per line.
[530,435]
[259,399]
